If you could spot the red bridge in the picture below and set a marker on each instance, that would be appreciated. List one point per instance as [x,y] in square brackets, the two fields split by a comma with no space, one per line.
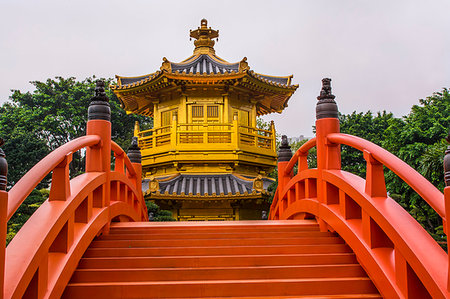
[331,233]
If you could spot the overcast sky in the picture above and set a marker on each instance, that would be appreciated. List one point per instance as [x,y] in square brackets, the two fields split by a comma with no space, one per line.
[381,55]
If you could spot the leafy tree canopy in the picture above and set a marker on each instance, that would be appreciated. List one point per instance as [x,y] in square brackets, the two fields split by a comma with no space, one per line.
[55,112]
[35,123]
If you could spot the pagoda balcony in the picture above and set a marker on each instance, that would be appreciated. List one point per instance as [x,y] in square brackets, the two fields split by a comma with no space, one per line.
[208,143]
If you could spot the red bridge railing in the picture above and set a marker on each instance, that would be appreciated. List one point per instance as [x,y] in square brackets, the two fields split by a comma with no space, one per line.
[41,258]
[401,258]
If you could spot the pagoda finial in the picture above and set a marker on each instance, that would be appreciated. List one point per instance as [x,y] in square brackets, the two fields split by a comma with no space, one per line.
[204,36]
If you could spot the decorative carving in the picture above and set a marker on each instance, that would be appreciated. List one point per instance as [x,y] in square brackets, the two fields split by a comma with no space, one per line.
[153,184]
[243,65]
[284,152]
[166,66]
[3,167]
[325,93]
[258,184]
[99,106]
[447,163]
[134,151]
[326,106]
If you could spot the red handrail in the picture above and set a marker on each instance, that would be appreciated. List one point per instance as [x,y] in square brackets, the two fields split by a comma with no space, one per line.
[32,178]
[421,185]
[303,150]
[119,151]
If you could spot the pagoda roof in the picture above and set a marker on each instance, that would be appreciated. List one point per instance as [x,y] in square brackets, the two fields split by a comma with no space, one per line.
[204,67]
[212,185]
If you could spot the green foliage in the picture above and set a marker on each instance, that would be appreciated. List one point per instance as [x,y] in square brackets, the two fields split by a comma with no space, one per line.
[416,138]
[56,113]
[364,125]
[262,124]
[156,214]
[28,207]
[35,123]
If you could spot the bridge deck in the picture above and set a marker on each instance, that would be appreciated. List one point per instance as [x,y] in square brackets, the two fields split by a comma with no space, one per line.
[242,259]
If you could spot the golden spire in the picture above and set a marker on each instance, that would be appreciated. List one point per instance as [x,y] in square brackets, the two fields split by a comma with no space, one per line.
[204,43]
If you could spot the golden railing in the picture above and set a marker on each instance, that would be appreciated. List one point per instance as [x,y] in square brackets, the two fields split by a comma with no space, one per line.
[212,134]
[256,137]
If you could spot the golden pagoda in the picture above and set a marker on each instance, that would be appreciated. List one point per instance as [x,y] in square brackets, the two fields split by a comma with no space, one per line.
[205,158]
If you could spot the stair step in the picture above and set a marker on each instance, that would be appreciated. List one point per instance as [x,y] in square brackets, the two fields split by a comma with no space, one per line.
[240,259]
[213,226]
[216,273]
[218,261]
[340,296]
[215,242]
[222,288]
[216,250]
[213,235]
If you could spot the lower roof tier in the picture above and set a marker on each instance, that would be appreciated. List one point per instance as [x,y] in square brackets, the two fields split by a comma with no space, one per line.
[208,185]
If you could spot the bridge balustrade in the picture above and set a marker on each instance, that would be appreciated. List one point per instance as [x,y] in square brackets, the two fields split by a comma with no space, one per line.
[41,258]
[401,258]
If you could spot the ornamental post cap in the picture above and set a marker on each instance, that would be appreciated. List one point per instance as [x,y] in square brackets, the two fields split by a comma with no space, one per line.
[134,151]
[284,151]
[326,106]
[325,93]
[99,106]
[100,94]
[447,163]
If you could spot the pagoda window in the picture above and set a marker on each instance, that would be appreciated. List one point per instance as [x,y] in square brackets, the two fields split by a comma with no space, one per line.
[167,117]
[212,113]
[197,114]
[244,118]
[205,113]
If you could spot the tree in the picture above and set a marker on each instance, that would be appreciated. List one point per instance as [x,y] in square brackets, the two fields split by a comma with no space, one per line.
[417,139]
[364,125]
[53,114]
[26,209]
[156,214]
[35,123]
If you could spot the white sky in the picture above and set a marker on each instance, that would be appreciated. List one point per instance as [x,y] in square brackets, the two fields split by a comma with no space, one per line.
[381,55]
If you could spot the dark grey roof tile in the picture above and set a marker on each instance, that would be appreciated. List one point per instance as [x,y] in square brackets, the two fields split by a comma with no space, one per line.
[204,64]
[204,185]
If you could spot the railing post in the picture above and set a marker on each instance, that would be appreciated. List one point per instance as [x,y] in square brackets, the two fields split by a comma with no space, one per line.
[136,129]
[447,202]
[235,131]
[174,132]
[98,159]
[375,184]
[274,138]
[284,155]
[328,155]
[3,217]
[60,188]
[134,153]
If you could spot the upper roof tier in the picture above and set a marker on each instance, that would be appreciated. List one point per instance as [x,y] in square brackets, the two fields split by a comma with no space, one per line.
[204,67]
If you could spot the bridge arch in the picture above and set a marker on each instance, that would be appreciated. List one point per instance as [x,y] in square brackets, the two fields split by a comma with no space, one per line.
[40,260]
[401,258]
